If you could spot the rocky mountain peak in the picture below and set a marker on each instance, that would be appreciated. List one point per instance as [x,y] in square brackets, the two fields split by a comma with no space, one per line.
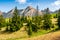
[29,7]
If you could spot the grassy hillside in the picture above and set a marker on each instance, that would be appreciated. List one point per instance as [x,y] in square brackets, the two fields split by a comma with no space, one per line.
[22,34]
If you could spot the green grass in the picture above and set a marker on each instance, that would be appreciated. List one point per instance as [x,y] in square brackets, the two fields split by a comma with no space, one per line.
[40,33]
[53,15]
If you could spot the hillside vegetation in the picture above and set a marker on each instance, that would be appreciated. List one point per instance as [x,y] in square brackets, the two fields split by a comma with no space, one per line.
[22,27]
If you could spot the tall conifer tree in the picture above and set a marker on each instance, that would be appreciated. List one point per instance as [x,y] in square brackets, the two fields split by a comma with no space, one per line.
[47,20]
[59,19]
[16,22]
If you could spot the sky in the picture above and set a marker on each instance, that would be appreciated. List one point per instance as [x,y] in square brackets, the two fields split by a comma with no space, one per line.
[7,5]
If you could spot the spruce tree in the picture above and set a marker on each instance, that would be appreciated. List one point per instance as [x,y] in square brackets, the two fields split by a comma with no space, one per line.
[37,19]
[2,21]
[47,20]
[33,23]
[31,26]
[59,19]
[16,22]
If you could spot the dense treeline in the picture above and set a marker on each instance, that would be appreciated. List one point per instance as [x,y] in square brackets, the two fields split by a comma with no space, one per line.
[32,24]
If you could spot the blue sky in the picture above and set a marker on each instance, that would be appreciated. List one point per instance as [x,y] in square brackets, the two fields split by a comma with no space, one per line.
[6,5]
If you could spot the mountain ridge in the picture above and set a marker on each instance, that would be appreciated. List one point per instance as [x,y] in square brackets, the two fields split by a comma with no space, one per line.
[29,11]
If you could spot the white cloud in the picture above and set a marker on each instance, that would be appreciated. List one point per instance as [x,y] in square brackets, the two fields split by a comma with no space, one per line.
[56,3]
[21,1]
